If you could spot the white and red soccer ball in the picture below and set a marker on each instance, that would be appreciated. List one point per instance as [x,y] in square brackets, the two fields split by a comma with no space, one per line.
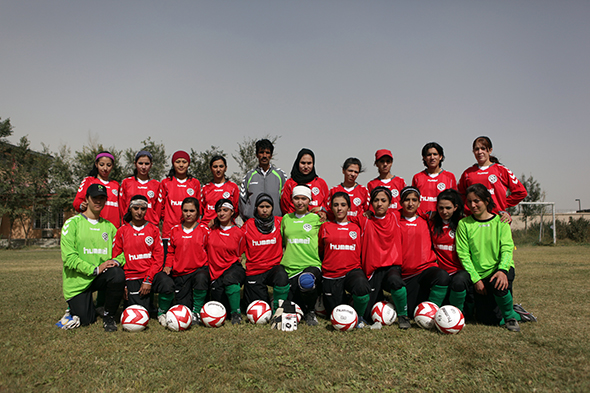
[344,318]
[384,313]
[424,314]
[213,314]
[135,318]
[179,318]
[449,320]
[320,309]
[259,312]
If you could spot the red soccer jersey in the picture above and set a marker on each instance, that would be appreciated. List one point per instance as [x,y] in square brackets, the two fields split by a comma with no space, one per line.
[417,247]
[396,184]
[319,195]
[381,241]
[341,248]
[130,187]
[186,251]
[144,254]
[444,248]
[224,248]
[212,192]
[498,180]
[430,186]
[111,208]
[172,193]
[263,251]
[359,199]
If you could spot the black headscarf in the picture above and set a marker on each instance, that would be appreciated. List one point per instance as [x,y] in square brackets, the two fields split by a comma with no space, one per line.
[264,225]
[296,174]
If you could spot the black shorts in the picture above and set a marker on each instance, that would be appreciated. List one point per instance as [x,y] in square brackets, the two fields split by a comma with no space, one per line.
[233,275]
[161,284]
[255,287]
[418,286]
[355,282]
[184,285]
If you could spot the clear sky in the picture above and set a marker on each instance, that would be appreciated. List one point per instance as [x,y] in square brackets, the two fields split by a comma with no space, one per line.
[343,78]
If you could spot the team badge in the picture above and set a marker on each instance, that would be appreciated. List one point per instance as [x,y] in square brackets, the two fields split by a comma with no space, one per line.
[105,236]
[357,201]
[492,179]
[352,235]
[315,191]
[307,227]
[190,191]
[149,240]
[115,192]
[226,195]
[441,186]
[395,193]
[452,234]
[151,194]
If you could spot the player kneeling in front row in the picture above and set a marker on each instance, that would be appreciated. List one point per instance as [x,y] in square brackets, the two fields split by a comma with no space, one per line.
[340,249]
[86,250]
[140,242]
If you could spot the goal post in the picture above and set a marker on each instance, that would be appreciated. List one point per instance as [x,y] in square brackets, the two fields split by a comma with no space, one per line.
[552,204]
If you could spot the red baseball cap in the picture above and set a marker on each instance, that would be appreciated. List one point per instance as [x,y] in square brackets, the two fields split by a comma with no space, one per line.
[382,153]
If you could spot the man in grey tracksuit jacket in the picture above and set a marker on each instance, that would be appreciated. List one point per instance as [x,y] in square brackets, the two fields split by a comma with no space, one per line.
[266,178]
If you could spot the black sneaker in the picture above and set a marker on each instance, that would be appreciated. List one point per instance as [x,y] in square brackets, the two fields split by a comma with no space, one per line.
[236,318]
[311,319]
[404,322]
[109,324]
[525,316]
[196,319]
[512,325]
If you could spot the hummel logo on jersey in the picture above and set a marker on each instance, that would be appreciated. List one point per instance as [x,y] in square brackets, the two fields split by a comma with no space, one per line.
[343,247]
[176,203]
[264,242]
[445,247]
[307,227]
[149,240]
[299,241]
[140,256]
[105,236]
[101,251]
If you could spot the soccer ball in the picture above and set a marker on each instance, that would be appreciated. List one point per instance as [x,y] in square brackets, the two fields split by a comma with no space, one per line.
[179,318]
[320,309]
[299,312]
[449,320]
[344,318]
[259,312]
[213,314]
[424,314]
[135,318]
[383,312]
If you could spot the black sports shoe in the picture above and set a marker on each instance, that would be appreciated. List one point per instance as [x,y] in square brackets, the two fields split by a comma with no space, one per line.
[311,319]
[109,324]
[404,322]
[236,318]
[512,325]
[525,316]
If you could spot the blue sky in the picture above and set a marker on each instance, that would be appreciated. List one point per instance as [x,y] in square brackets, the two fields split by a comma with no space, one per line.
[343,78]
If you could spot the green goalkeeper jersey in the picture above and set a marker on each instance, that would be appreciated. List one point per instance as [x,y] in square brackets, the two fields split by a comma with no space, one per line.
[300,238]
[484,246]
[84,246]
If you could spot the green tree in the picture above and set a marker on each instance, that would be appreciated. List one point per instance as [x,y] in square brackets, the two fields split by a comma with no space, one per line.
[84,160]
[246,155]
[161,164]
[5,129]
[199,167]
[62,184]
[535,194]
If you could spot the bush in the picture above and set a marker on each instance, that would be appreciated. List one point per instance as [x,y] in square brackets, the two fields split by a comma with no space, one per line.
[572,230]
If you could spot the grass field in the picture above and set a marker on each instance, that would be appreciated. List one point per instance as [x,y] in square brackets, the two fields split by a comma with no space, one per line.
[549,356]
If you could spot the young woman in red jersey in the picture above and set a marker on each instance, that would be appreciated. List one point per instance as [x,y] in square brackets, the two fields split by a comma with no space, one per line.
[100,173]
[340,251]
[383,162]
[178,185]
[443,224]
[433,180]
[186,264]
[358,194]
[140,241]
[140,184]
[424,279]
[224,250]
[382,255]
[219,188]
[494,176]
[264,251]
[303,173]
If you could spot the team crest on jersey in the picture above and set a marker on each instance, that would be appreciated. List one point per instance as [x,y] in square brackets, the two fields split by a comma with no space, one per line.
[226,195]
[149,240]
[105,236]
[115,192]
[352,235]
[190,191]
[151,194]
[395,193]
[452,234]
[492,179]
[441,186]
[315,191]
[307,227]
[356,201]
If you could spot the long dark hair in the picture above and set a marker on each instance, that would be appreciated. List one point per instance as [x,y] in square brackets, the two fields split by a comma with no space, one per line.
[353,161]
[487,143]
[218,205]
[482,193]
[94,171]
[437,221]
[137,157]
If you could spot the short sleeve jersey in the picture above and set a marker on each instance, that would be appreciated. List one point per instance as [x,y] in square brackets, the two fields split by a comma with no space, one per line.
[111,208]
[432,185]
[187,250]
[224,248]
[300,238]
[263,251]
[444,248]
[341,247]
[212,192]
[395,184]
[130,186]
[417,247]
[172,193]
[359,199]
[319,194]
[143,251]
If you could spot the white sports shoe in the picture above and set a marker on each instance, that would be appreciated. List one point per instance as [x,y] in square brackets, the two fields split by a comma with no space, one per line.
[162,320]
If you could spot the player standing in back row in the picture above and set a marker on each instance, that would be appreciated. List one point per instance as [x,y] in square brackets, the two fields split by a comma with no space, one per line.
[383,162]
